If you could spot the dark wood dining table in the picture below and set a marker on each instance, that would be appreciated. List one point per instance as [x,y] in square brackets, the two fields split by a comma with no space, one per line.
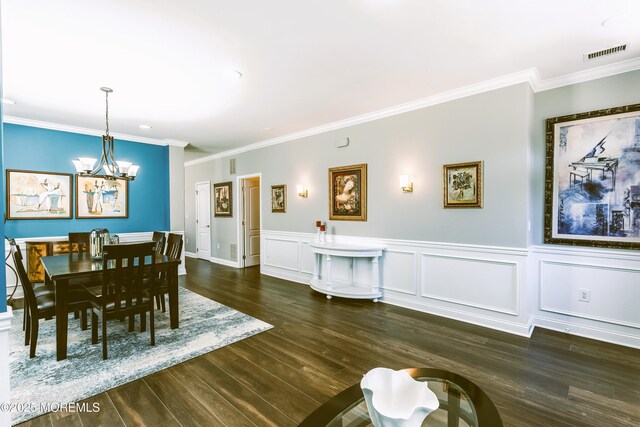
[61,269]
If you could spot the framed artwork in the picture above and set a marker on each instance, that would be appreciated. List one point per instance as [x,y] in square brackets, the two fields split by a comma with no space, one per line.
[279,198]
[462,184]
[38,195]
[222,199]
[99,197]
[592,180]
[348,193]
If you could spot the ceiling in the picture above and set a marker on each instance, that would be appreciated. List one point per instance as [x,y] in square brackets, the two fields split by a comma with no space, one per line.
[304,64]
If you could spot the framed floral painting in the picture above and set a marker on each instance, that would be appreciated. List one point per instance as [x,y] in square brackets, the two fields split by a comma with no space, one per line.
[462,184]
[101,197]
[38,195]
[348,193]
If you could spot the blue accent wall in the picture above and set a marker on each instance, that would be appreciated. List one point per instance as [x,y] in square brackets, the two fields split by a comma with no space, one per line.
[3,278]
[48,150]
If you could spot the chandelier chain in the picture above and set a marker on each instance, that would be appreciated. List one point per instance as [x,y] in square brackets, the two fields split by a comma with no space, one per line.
[107,110]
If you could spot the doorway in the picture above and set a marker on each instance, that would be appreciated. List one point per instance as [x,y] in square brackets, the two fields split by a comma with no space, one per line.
[250,221]
[203,220]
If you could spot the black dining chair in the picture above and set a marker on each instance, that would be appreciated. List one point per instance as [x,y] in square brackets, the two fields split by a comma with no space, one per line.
[122,291]
[43,305]
[158,287]
[160,238]
[79,242]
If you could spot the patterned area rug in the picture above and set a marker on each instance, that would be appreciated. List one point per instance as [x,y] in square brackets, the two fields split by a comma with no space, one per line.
[205,325]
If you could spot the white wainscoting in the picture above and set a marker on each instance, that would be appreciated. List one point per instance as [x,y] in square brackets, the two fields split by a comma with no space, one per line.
[510,289]
[612,279]
[124,237]
[481,285]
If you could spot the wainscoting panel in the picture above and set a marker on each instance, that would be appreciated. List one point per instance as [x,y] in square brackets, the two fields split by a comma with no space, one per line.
[399,271]
[613,293]
[481,283]
[281,253]
[306,258]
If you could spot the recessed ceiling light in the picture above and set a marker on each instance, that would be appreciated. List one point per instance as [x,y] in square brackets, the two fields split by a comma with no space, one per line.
[237,74]
[145,127]
[614,21]
[268,129]
[8,101]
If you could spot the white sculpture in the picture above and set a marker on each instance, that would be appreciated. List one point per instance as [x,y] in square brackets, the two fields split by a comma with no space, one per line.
[394,399]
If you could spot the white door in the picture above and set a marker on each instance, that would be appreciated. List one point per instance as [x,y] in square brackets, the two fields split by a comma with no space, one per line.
[251,221]
[203,220]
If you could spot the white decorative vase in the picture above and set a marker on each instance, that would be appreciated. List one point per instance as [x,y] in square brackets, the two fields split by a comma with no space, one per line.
[394,399]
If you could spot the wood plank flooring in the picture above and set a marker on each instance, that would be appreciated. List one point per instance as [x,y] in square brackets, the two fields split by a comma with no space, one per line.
[318,348]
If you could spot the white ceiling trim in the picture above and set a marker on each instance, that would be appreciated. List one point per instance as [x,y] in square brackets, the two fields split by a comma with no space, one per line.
[530,76]
[587,75]
[94,132]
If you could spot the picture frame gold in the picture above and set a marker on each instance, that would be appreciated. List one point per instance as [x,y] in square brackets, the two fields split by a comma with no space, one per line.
[348,193]
[222,199]
[592,187]
[462,185]
[279,198]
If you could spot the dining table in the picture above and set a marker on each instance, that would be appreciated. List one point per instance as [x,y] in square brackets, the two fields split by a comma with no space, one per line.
[61,270]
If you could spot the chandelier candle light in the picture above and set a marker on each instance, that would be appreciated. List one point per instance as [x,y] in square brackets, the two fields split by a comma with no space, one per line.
[113,168]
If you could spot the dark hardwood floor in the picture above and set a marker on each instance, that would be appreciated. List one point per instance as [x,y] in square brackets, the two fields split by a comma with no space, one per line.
[319,347]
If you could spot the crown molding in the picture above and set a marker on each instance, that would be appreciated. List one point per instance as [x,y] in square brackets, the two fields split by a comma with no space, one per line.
[587,75]
[93,132]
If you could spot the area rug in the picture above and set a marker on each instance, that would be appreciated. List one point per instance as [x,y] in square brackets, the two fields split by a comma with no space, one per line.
[42,382]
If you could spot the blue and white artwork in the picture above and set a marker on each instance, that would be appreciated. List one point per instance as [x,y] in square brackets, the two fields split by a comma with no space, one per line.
[596,179]
[38,195]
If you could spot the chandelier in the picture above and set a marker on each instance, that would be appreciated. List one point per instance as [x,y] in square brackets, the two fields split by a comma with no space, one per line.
[86,166]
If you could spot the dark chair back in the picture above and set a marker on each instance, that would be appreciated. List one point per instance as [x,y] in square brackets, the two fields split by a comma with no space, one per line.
[27,286]
[124,267]
[174,246]
[79,242]
[160,238]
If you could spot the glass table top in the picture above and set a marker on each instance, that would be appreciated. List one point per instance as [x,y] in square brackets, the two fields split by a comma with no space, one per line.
[462,404]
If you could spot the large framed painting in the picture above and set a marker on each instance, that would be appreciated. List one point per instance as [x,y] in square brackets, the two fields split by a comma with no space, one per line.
[279,198]
[462,185]
[38,195]
[101,197]
[592,181]
[348,193]
[222,203]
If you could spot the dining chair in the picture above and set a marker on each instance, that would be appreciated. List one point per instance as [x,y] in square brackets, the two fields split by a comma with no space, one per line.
[122,293]
[160,238]
[159,286]
[43,305]
[79,242]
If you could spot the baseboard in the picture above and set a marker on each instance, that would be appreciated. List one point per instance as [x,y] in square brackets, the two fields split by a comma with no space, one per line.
[590,332]
[292,276]
[5,388]
[226,262]
[515,328]
[190,254]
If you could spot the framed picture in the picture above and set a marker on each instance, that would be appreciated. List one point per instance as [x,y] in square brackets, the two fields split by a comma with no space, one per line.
[279,198]
[99,197]
[38,195]
[348,193]
[222,199]
[462,184]
[592,181]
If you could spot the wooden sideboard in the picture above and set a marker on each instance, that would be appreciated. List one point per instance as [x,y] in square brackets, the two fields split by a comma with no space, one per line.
[38,249]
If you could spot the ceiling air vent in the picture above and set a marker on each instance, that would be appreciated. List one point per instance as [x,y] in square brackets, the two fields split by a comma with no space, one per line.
[604,52]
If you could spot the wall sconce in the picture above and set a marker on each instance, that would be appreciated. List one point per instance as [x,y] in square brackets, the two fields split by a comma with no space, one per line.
[302,192]
[406,183]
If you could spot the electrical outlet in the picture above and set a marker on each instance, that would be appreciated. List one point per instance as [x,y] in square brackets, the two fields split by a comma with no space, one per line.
[187,240]
[218,246]
[584,295]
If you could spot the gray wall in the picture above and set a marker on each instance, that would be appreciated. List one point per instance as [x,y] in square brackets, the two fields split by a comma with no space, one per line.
[176,188]
[614,91]
[494,127]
